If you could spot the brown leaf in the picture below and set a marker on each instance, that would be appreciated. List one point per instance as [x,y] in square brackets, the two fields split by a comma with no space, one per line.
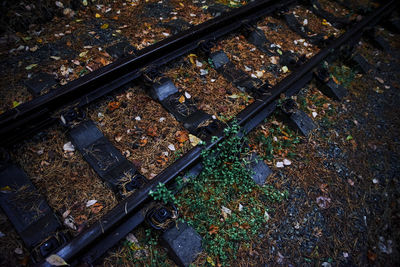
[152,131]
[371,255]
[324,188]
[96,208]
[181,136]
[81,219]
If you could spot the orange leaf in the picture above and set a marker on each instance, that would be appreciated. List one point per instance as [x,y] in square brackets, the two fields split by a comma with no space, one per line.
[96,208]
[81,219]
[181,99]
[324,188]
[103,61]
[181,136]
[113,105]
[213,230]
[162,160]
[143,142]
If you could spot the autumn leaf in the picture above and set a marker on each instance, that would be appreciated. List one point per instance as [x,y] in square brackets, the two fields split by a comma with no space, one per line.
[181,99]
[104,26]
[192,58]
[152,131]
[143,142]
[213,230]
[96,208]
[162,160]
[81,219]
[371,255]
[113,105]
[181,136]
[56,260]
[16,104]
[31,66]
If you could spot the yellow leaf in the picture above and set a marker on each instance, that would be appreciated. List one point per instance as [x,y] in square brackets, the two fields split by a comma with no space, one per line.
[181,4]
[194,140]
[30,66]
[56,260]
[98,15]
[5,189]
[210,261]
[104,26]
[324,22]
[83,54]
[181,99]
[192,58]
[16,104]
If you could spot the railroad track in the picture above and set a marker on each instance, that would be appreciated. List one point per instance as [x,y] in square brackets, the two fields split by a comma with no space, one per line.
[42,234]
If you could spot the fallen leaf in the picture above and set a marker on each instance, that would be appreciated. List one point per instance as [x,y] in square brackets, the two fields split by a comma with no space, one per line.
[194,140]
[163,159]
[69,147]
[371,255]
[56,260]
[213,229]
[181,136]
[82,54]
[192,58]
[104,26]
[287,162]
[323,202]
[279,164]
[66,213]
[380,80]
[113,105]
[266,216]
[97,15]
[182,99]
[210,261]
[81,219]
[96,208]
[324,188]
[70,222]
[143,142]
[171,147]
[152,131]
[91,202]
[16,104]
[225,212]
[31,66]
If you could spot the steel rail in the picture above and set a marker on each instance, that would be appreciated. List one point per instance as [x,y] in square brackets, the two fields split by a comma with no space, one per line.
[131,205]
[29,117]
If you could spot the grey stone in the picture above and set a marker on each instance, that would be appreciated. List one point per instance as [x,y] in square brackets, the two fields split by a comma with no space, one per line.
[183,243]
